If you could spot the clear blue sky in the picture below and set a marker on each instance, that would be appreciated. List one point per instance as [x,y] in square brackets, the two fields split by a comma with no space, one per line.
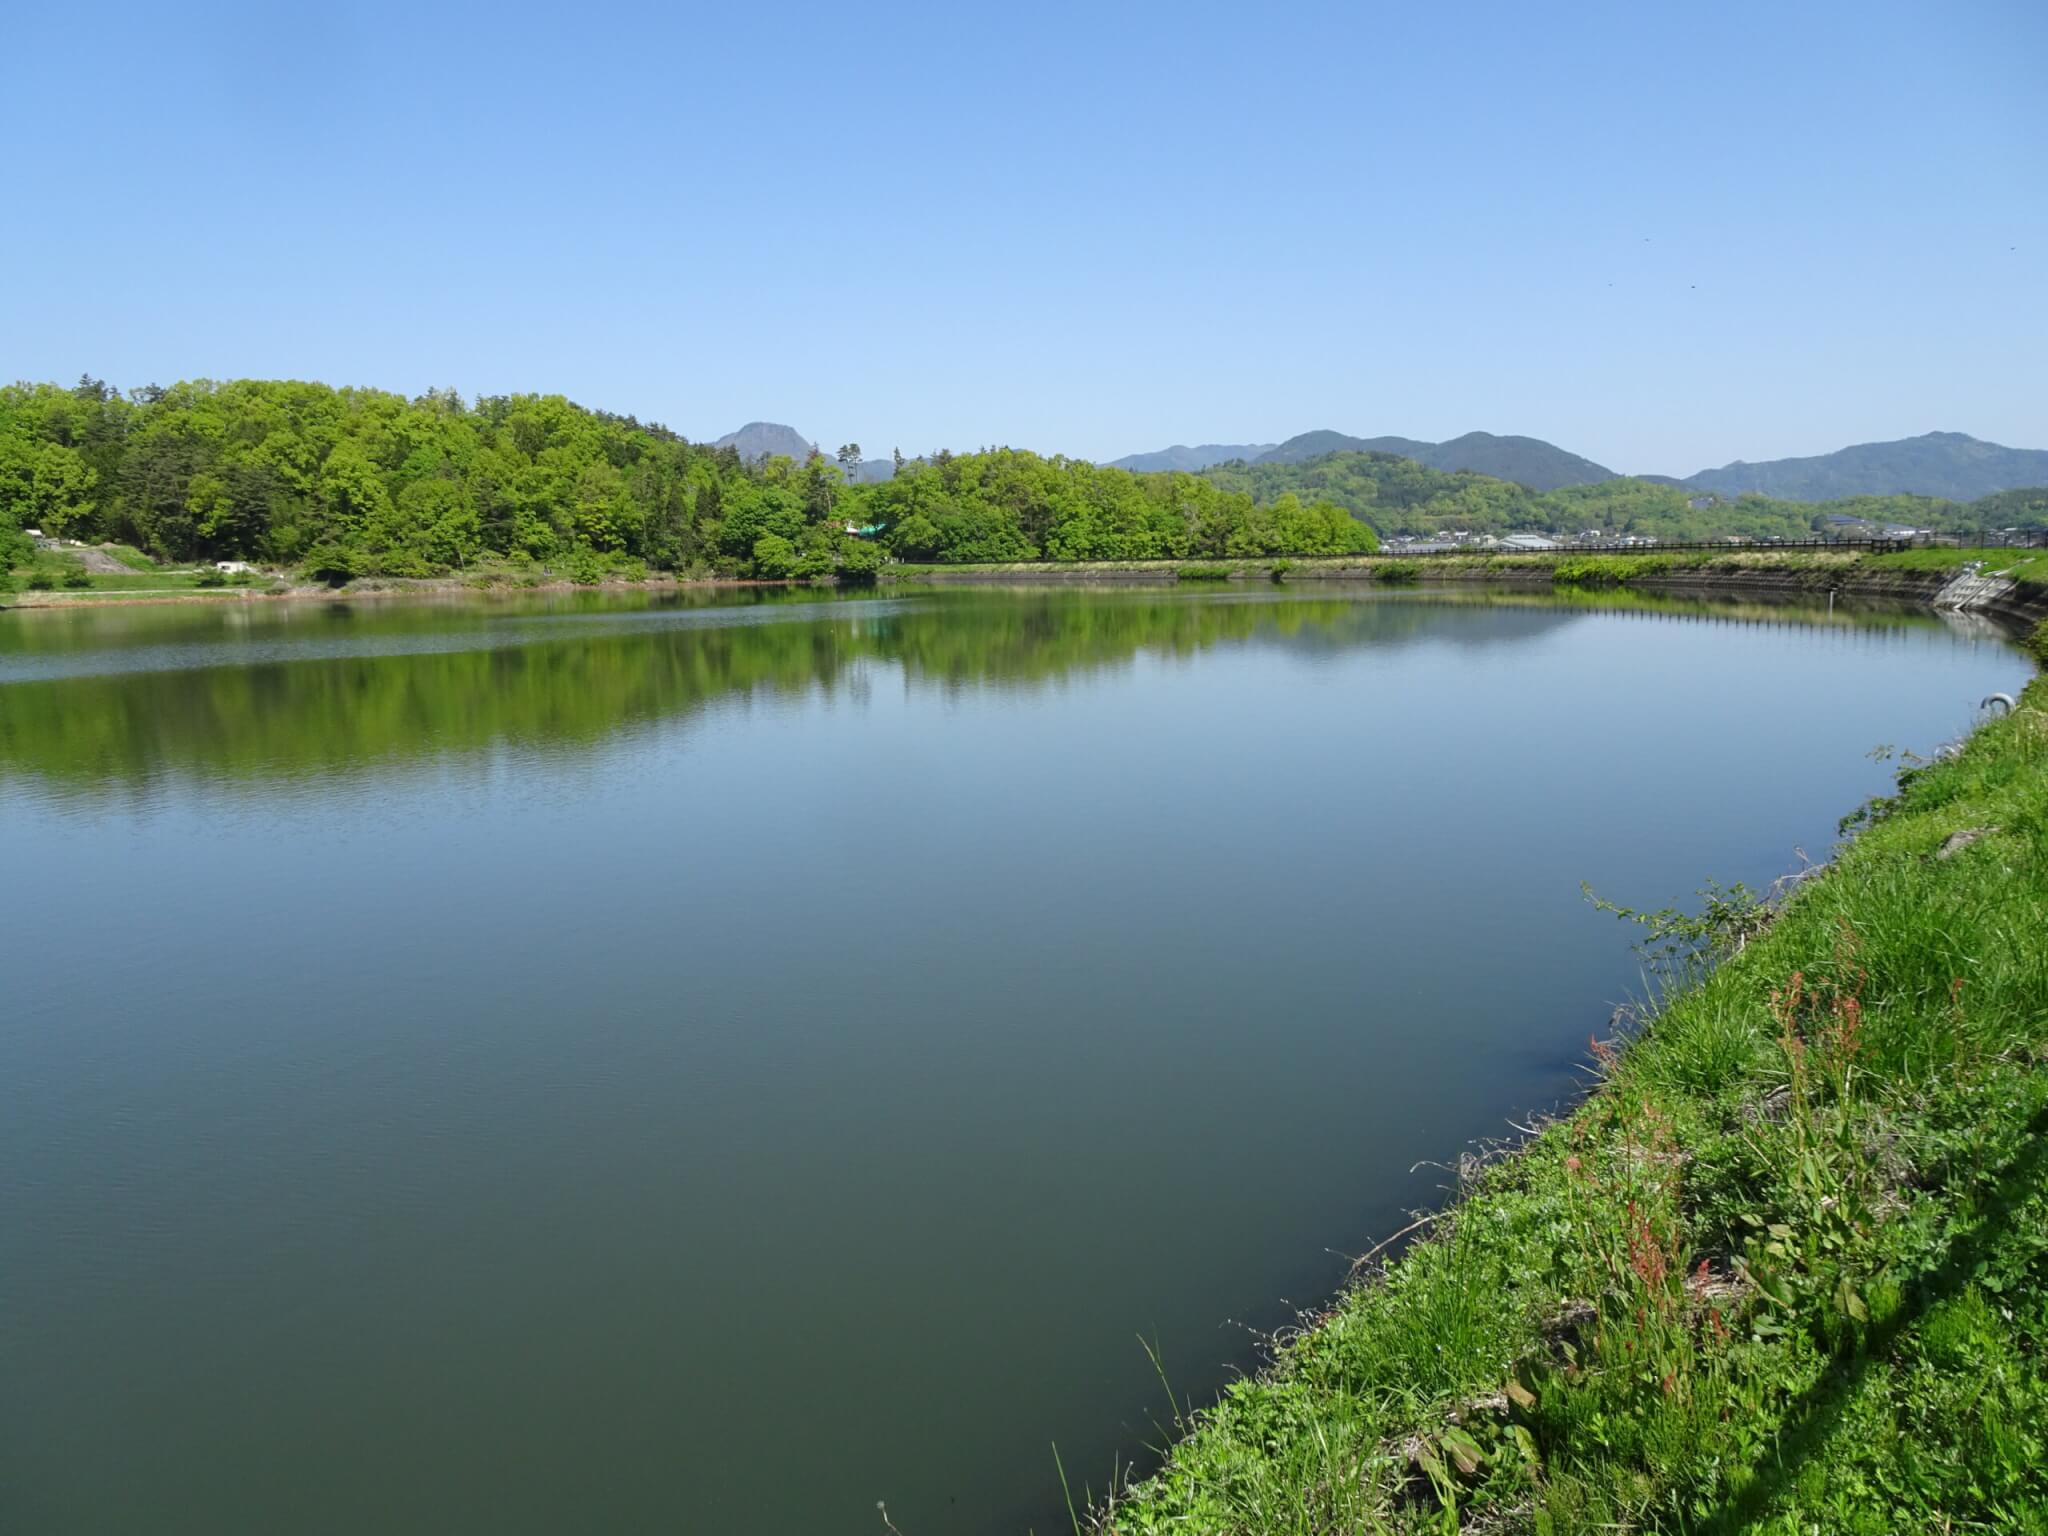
[1663,235]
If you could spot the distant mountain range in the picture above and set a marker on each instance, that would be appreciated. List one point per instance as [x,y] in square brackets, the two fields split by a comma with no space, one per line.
[1525,460]
[1952,465]
[1947,464]
[1189,460]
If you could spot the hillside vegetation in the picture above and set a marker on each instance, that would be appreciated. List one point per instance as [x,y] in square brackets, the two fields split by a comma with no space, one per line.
[1786,1270]
[1527,461]
[1950,466]
[1400,496]
[345,482]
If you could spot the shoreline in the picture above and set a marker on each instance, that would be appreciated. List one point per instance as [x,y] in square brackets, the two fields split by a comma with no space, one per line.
[1789,574]
[1702,1297]
[1800,574]
[420,588]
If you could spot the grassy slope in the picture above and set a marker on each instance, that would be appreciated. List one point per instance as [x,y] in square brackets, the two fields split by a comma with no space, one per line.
[1786,1270]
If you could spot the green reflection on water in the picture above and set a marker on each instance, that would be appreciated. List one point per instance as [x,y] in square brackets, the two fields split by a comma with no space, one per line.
[119,698]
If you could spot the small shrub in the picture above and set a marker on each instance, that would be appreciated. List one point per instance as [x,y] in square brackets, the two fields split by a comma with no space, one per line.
[1202,573]
[78,578]
[403,562]
[859,562]
[331,563]
[774,557]
[1398,573]
[211,578]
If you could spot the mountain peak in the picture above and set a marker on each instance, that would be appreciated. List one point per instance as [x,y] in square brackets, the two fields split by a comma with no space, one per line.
[1525,460]
[759,440]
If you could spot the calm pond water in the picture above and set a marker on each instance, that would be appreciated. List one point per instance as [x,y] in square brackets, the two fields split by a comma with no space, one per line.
[676,1065]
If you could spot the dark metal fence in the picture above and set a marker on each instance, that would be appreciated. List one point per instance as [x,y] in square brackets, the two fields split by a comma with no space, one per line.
[1662,547]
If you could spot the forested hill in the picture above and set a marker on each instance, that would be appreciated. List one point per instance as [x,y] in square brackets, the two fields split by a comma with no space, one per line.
[1400,496]
[1947,464]
[1525,460]
[343,482]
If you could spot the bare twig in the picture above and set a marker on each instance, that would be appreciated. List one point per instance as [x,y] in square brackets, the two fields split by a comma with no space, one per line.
[1363,1259]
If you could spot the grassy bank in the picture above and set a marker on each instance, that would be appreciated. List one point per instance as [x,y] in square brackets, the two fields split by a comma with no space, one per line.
[1786,1269]
[1822,568]
[2029,567]
[61,579]
[1561,567]
[58,578]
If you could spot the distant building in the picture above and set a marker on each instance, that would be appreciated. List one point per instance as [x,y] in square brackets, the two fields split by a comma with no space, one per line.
[1527,541]
[233,567]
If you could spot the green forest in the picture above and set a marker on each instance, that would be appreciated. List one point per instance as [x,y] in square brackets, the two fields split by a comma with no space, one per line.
[348,482]
[339,482]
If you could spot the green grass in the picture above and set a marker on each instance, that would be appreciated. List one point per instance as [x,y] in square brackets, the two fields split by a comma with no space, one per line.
[1785,1270]
[152,581]
[2025,565]
[58,580]
[1615,570]
[130,556]
[60,575]
[1608,570]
